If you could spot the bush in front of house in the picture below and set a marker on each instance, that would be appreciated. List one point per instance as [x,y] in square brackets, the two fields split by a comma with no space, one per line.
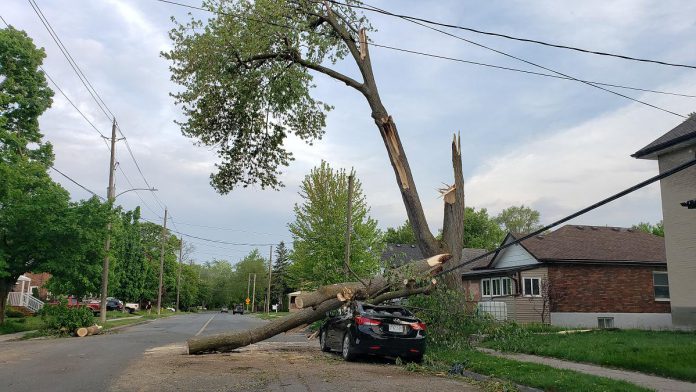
[9,312]
[64,320]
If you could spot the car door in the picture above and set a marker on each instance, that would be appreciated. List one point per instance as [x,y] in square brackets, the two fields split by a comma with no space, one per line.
[334,317]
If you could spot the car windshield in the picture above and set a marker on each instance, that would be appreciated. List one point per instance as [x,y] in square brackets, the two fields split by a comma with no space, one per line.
[386,311]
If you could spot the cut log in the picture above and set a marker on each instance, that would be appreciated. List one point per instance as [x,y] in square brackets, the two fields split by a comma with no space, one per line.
[81,332]
[93,330]
[347,291]
[309,314]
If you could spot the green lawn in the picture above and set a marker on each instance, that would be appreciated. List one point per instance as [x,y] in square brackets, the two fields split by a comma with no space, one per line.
[20,324]
[270,316]
[529,374]
[665,353]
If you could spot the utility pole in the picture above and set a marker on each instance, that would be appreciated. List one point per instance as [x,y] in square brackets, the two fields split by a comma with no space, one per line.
[349,228]
[253,295]
[159,291]
[248,287]
[178,277]
[110,196]
[268,294]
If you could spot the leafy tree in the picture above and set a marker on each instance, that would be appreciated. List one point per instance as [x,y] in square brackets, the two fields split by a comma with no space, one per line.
[481,230]
[656,229]
[253,263]
[519,220]
[246,77]
[280,285]
[32,206]
[400,235]
[129,263]
[151,235]
[319,230]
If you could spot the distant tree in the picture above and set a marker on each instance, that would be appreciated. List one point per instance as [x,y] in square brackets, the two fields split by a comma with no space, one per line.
[481,230]
[519,220]
[151,242]
[253,263]
[319,230]
[656,229]
[400,235]
[280,282]
[692,114]
[129,263]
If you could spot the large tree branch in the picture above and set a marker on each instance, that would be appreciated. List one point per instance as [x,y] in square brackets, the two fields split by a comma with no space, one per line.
[409,291]
[295,58]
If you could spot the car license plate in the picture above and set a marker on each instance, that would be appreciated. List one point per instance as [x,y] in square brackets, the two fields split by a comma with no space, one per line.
[396,328]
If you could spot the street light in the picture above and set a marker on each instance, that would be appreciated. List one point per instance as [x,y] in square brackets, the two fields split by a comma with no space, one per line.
[107,246]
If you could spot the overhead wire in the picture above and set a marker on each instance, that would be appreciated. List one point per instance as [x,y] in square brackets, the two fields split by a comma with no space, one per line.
[559,75]
[526,61]
[510,37]
[576,214]
[76,183]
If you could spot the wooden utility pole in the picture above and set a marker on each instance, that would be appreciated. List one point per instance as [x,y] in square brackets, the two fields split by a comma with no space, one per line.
[349,227]
[248,287]
[178,276]
[268,294]
[161,271]
[110,196]
[253,295]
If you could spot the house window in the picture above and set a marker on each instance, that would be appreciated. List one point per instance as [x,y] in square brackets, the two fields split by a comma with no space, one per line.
[486,287]
[496,286]
[605,322]
[532,287]
[661,285]
[507,286]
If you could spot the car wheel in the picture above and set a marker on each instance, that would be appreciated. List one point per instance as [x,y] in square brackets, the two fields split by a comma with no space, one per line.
[416,359]
[347,351]
[322,342]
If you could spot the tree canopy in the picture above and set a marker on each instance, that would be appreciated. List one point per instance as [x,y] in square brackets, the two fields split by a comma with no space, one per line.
[519,219]
[319,230]
[656,229]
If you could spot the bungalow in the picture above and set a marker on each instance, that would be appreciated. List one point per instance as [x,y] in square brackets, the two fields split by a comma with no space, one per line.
[577,276]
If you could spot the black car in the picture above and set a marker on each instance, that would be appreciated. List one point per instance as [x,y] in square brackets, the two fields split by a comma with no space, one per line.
[360,328]
[114,304]
[238,309]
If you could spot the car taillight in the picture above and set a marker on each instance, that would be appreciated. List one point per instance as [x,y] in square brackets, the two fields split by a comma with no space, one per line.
[418,326]
[360,320]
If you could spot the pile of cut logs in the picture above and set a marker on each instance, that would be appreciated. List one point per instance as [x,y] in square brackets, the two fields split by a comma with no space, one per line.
[314,305]
[86,331]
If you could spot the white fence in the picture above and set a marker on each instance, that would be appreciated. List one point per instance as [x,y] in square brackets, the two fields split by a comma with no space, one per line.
[496,309]
[24,300]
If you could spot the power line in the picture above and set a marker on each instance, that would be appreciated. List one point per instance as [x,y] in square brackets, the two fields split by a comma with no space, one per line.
[477,31]
[76,183]
[213,241]
[574,215]
[560,75]
[524,71]
[71,61]
[224,228]
[528,62]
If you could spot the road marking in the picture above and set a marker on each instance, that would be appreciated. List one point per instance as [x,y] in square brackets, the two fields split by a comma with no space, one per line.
[200,331]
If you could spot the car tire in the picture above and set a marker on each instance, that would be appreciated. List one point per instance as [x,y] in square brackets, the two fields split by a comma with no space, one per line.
[416,359]
[322,342]
[347,350]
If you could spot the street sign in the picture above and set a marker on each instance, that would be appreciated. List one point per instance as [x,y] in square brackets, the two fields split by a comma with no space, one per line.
[248,301]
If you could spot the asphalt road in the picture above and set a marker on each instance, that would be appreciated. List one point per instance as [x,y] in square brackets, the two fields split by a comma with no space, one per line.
[93,362]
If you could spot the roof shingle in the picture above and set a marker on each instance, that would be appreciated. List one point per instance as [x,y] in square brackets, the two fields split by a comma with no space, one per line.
[681,133]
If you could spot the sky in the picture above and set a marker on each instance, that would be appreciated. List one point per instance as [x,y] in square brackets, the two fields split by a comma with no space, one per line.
[554,145]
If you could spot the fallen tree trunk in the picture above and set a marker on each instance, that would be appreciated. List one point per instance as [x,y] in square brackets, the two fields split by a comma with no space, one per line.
[333,298]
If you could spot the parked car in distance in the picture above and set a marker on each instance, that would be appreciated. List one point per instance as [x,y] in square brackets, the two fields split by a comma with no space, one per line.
[238,309]
[132,307]
[224,309]
[113,304]
[360,329]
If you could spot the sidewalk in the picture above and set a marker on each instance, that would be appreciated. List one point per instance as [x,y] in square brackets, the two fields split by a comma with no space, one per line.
[645,380]
[13,336]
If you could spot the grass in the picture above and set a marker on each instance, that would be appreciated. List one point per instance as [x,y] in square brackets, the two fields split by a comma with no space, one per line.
[20,324]
[270,316]
[665,353]
[533,375]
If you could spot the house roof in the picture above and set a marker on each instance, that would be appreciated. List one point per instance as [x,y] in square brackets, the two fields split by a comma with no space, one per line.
[684,133]
[400,254]
[598,244]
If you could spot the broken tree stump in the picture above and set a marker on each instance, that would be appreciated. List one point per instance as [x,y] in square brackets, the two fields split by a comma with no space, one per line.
[328,298]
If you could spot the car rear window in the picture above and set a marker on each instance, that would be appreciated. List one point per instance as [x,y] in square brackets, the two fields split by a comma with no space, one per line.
[386,311]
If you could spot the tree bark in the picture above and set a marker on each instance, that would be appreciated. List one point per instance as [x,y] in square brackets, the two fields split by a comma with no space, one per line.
[308,314]
[453,223]
[5,286]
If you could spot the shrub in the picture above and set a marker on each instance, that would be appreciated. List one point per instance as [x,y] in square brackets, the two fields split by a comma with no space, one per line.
[9,312]
[450,318]
[65,320]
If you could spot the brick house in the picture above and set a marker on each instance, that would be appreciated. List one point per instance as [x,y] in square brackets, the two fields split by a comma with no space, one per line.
[34,280]
[577,276]
[678,192]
